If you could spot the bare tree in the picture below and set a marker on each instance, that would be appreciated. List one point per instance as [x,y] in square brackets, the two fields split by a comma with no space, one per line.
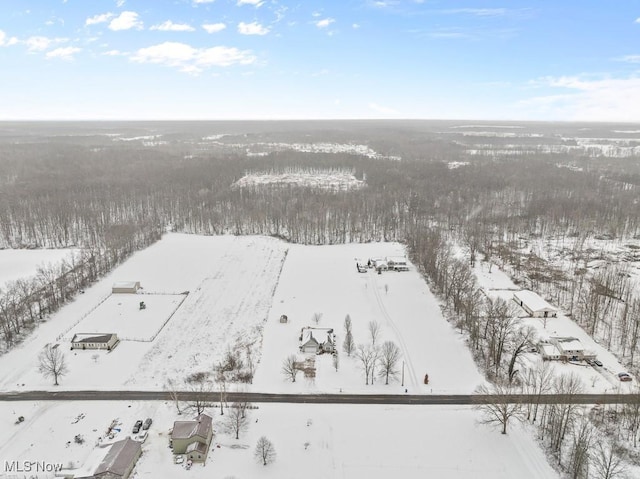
[316,317]
[265,452]
[200,388]
[374,331]
[367,357]
[173,392]
[290,367]
[607,460]
[522,340]
[52,363]
[389,357]
[497,407]
[336,361]
[236,420]
[348,345]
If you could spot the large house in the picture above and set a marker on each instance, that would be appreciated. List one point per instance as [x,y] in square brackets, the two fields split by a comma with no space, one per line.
[317,340]
[193,438]
[564,348]
[118,462]
[94,341]
[397,263]
[534,305]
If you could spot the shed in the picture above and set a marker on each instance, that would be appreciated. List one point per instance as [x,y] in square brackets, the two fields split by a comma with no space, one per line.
[127,287]
[534,305]
[284,319]
[94,341]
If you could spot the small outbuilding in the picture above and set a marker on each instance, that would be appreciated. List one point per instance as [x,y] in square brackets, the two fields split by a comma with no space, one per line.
[284,318]
[534,305]
[126,287]
[94,341]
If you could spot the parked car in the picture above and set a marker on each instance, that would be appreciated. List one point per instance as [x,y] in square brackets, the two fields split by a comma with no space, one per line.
[142,436]
[624,377]
[147,423]
[137,426]
[597,362]
[179,459]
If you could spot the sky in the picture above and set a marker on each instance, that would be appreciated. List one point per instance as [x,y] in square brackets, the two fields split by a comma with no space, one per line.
[339,59]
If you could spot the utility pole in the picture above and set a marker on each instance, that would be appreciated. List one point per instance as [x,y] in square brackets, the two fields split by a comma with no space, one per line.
[402,373]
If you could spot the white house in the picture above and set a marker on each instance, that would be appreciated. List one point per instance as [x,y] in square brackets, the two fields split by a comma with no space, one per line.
[94,341]
[534,305]
[564,348]
[397,263]
[311,340]
[549,352]
[127,287]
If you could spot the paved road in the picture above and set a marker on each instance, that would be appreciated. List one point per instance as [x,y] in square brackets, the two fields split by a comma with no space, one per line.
[433,399]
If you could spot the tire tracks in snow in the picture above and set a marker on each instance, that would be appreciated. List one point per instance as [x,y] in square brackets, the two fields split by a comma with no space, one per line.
[383,309]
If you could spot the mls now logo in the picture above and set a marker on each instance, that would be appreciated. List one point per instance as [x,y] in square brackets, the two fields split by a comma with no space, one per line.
[31,466]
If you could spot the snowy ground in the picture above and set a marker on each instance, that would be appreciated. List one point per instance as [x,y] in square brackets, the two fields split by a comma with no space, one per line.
[324,441]
[595,379]
[23,263]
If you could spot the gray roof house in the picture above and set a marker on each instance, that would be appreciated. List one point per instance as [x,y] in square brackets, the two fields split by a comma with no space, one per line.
[119,461]
[94,341]
[193,438]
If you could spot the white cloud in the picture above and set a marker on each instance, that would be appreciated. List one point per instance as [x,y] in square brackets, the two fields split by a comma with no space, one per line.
[214,27]
[629,59]
[113,53]
[637,20]
[203,1]
[64,53]
[3,37]
[255,3]
[382,109]
[101,18]
[355,26]
[588,99]
[169,26]
[38,43]
[479,12]
[125,21]
[324,23]
[192,60]
[120,3]
[253,28]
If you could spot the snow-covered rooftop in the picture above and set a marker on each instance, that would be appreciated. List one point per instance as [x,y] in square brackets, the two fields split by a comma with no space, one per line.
[533,301]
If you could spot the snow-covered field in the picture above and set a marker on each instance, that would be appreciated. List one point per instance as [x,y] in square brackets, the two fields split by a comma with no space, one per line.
[314,441]
[322,179]
[23,263]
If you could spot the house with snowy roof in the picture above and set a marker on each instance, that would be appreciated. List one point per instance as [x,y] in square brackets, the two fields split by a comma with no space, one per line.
[126,287]
[534,305]
[94,341]
[193,438]
[317,340]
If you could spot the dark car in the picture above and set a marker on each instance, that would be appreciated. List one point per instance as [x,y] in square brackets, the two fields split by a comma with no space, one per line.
[147,423]
[137,426]
[624,377]
[597,362]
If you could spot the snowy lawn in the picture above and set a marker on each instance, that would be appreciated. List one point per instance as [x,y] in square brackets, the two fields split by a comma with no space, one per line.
[335,441]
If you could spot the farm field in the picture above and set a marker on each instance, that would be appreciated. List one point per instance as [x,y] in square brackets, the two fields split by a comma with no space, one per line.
[334,441]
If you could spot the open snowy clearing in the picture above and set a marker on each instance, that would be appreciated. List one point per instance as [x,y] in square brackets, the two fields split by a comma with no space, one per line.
[23,263]
[335,441]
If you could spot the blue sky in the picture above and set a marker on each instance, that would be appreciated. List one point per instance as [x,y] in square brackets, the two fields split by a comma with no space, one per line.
[281,59]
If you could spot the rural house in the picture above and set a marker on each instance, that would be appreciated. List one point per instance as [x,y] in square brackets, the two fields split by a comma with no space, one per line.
[193,438]
[534,305]
[119,461]
[397,263]
[127,287]
[310,340]
[94,341]
[571,349]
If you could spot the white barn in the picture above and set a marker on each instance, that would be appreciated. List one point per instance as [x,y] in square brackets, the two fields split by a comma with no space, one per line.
[534,305]
[94,341]
[127,287]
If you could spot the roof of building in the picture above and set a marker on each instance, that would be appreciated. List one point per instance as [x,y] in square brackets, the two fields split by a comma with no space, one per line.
[92,337]
[126,284]
[569,344]
[200,447]
[533,301]
[549,350]
[396,259]
[119,459]
[307,337]
[200,426]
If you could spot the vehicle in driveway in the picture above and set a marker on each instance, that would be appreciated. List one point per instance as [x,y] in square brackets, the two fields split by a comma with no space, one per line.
[147,423]
[137,426]
[624,377]
[142,436]
[597,362]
